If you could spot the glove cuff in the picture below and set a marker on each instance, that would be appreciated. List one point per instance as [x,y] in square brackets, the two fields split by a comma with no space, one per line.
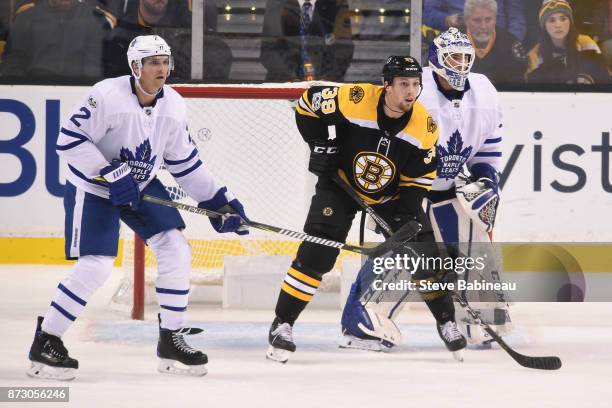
[221,198]
[112,173]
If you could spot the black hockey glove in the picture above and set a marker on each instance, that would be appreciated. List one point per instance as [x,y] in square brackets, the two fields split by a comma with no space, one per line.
[324,158]
[399,220]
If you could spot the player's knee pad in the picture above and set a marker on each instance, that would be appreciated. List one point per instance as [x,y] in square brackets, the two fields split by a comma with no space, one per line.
[315,259]
[89,273]
[172,251]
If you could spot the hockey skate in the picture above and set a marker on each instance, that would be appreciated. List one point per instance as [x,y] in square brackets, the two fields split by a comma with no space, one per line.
[280,338]
[452,338]
[178,357]
[49,357]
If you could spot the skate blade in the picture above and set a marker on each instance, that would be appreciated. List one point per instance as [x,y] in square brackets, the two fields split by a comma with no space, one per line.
[458,355]
[278,355]
[43,371]
[352,342]
[167,366]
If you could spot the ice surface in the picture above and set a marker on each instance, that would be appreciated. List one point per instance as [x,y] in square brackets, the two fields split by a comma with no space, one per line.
[118,362]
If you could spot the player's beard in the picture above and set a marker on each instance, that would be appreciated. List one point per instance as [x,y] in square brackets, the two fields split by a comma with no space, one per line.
[405,106]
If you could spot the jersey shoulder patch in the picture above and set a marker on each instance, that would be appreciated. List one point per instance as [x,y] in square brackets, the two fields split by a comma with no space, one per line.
[422,129]
[358,101]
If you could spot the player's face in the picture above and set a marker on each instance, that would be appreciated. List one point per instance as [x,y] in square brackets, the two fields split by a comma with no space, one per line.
[402,93]
[155,6]
[557,26]
[62,5]
[459,62]
[154,72]
[481,24]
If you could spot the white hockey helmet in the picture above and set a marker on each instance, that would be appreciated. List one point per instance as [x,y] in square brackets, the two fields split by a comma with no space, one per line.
[451,55]
[147,46]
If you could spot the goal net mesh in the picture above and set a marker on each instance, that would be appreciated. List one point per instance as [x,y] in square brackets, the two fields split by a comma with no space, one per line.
[251,144]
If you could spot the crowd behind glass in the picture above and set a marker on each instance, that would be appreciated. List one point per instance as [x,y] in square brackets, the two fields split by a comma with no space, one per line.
[524,43]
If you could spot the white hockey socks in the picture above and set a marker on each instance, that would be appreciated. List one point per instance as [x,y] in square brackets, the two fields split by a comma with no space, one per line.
[173,268]
[87,275]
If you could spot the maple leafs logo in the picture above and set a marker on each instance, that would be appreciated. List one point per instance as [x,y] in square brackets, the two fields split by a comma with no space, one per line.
[453,157]
[141,161]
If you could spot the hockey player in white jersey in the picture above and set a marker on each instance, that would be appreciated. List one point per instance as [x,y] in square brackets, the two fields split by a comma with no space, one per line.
[467,110]
[114,143]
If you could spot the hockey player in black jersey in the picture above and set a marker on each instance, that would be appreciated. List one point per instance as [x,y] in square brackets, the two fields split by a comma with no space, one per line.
[380,141]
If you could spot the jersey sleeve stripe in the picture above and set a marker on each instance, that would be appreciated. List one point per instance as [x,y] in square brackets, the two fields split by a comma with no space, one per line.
[301,111]
[76,135]
[422,179]
[304,98]
[491,141]
[302,104]
[488,154]
[175,162]
[70,145]
[410,139]
[82,176]
[413,184]
[189,170]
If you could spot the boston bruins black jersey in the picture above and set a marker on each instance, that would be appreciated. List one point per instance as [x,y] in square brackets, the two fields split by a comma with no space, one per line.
[381,158]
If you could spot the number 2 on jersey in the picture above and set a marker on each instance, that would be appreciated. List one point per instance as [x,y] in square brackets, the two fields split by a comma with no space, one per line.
[85,115]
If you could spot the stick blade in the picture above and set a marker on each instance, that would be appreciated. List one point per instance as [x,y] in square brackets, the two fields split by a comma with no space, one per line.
[539,363]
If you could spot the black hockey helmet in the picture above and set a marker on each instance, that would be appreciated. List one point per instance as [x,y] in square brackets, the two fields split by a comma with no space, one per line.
[402,67]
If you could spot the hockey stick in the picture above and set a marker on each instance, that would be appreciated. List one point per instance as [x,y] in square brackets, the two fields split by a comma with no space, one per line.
[402,235]
[364,206]
[542,363]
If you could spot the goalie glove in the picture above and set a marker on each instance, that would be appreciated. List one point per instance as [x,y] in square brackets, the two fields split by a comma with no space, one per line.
[324,158]
[233,220]
[480,198]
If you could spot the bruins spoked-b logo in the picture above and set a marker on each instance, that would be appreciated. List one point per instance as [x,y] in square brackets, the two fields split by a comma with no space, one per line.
[372,171]
[356,94]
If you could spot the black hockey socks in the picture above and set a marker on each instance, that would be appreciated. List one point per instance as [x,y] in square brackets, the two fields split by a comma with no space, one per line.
[297,290]
[442,308]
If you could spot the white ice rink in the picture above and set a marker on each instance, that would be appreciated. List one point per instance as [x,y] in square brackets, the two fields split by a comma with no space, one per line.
[118,362]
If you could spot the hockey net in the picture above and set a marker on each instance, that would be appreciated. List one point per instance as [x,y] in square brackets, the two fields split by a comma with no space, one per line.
[247,137]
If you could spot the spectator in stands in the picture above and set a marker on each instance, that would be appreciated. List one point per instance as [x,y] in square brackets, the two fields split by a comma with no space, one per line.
[56,40]
[5,18]
[443,14]
[499,55]
[306,39]
[563,55]
[172,21]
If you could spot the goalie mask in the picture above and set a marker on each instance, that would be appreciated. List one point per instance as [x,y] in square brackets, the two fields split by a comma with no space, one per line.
[451,55]
[145,46]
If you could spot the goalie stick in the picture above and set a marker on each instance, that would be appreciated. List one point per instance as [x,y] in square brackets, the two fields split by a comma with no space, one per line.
[404,234]
[541,363]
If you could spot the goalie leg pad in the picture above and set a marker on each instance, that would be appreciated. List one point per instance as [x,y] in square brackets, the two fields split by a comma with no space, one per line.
[367,314]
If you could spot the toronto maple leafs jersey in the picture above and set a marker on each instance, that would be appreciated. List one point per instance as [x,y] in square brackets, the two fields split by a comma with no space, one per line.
[470,127]
[109,124]
[380,158]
